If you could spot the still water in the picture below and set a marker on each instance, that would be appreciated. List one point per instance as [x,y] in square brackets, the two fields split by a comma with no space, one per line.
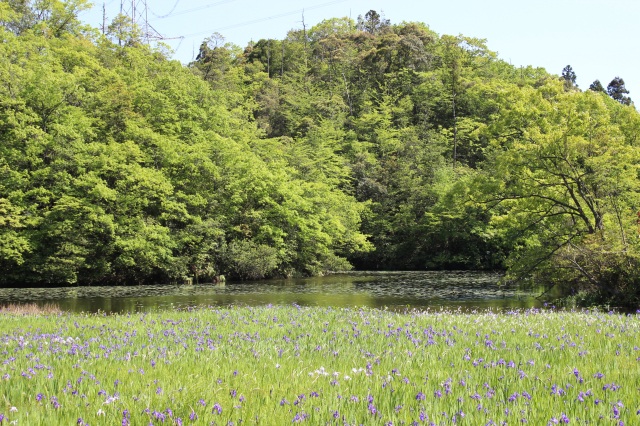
[391,290]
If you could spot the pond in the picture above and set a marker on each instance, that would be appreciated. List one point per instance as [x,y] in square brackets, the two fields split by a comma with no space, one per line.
[396,291]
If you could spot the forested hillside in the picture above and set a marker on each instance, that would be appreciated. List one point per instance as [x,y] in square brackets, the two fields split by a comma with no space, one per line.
[120,166]
[364,143]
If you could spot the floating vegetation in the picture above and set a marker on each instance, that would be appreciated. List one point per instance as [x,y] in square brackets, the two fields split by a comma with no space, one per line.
[395,290]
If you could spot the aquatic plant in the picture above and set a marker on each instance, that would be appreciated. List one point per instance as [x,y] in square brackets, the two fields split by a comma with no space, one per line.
[280,365]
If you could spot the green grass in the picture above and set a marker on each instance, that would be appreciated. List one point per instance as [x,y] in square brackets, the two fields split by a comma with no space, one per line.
[280,365]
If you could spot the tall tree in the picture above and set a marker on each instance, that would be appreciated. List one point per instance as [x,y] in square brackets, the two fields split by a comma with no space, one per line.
[372,22]
[569,78]
[59,17]
[563,185]
[617,90]
[596,86]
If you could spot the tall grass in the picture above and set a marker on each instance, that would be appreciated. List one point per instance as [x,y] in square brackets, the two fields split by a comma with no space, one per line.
[30,309]
[282,365]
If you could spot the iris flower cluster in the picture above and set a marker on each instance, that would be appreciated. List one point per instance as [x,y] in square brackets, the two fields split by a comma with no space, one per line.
[287,364]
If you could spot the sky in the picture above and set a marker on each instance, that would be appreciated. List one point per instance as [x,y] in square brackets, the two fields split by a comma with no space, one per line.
[600,39]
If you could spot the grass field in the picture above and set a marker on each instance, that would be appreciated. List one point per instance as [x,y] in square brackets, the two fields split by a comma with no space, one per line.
[283,365]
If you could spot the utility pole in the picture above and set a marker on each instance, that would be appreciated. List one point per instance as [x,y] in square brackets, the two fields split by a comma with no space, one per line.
[104,18]
[137,11]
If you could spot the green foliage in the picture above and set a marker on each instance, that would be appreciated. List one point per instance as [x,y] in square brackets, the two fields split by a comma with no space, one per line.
[618,91]
[569,78]
[461,160]
[562,182]
[44,17]
[249,260]
[365,143]
[383,112]
[13,245]
[278,365]
[120,166]
[372,22]
[596,86]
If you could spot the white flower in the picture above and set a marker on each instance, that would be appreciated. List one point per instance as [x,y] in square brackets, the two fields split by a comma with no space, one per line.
[110,400]
[100,412]
[13,409]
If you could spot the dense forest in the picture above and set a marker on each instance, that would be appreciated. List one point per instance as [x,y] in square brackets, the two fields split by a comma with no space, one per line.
[359,144]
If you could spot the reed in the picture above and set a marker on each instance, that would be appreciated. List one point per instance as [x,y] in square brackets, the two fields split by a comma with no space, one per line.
[30,309]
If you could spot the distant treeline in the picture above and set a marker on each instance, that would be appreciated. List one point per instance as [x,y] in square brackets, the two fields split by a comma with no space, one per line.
[360,143]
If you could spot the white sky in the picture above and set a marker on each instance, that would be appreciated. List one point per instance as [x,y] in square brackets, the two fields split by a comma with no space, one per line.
[600,39]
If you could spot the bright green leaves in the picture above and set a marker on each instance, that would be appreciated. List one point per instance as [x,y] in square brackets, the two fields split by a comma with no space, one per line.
[562,180]
[13,245]
[50,18]
[393,148]
[73,239]
[119,166]
[567,159]
[372,114]
[319,156]
[250,260]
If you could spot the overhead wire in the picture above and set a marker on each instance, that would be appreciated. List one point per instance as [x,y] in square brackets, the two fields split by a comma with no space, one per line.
[172,13]
[255,21]
[195,9]
[166,15]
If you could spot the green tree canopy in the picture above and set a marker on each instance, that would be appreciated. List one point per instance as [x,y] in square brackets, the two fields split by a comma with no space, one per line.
[617,90]
[569,78]
[121,166]
[596,86]
[369,143]
[563,182]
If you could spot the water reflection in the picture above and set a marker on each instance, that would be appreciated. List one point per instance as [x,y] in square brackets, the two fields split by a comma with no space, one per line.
[391,290]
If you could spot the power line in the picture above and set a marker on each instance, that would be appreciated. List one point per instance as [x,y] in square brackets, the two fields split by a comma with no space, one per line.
[137,10]
[255,21]
[195,9]
[166,14]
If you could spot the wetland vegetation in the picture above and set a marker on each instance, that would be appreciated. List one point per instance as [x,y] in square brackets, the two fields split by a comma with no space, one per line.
[282,365]
[359,144]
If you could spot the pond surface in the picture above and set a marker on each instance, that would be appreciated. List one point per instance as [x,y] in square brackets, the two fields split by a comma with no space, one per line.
[391,290]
